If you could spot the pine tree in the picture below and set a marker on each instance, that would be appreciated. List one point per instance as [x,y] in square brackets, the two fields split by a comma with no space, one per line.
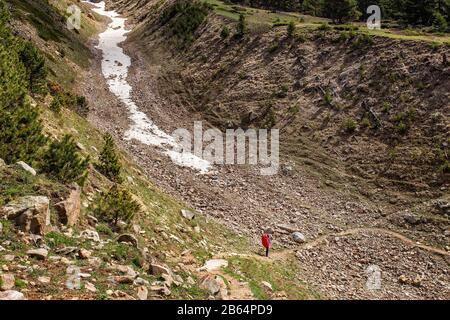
[439,23]
[290,29]
[109,164]
[117,204]
[63,162]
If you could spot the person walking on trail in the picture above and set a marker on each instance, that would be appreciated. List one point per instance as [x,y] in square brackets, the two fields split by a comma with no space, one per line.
[266,242]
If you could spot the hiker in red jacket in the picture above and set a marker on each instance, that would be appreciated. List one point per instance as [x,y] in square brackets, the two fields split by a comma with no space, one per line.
[266,242]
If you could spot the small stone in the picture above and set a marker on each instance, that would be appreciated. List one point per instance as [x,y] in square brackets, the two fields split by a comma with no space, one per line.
[6,281]
[44,280]
[158,270]
[403,279]
[9,257]
[40,254]
[90,235]
[84,254]
[91,219]
[11,295]
[187,214]
[90,287]
[128,238]
[26,167]
[267,285]
[142,293]
[140,282]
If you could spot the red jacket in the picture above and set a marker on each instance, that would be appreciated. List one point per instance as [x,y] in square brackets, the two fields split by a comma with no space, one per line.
[265,240]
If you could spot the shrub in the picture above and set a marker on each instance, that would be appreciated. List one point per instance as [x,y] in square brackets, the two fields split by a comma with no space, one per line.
[62,161]
[225,32]
[401,127]
[327,97]
[117,204]
[365,122]
[291,29]
[349,125]
[109,164]
[241,28]
[324,26]
[56,104]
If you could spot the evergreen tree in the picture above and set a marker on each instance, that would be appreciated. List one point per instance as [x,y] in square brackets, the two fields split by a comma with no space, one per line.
[439,22]
[290,29]
[117,204]
[63,162]
[109,164]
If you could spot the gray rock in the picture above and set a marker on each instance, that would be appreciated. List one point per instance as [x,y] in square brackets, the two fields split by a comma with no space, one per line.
[187,214]
[26,167]
[11,295]
[298,237]
[30,213]
[40,254]
[158,270]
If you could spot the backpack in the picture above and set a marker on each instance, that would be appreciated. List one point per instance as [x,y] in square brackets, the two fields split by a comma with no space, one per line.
[265,240]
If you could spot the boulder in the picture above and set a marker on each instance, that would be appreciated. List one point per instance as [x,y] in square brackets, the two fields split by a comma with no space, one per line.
[187,214]
[11,295]
[30,213]
[26,167]
[298,237]
[128,238]
[7,281]
[40,254]
[84,254]
[69,209]
[215,286]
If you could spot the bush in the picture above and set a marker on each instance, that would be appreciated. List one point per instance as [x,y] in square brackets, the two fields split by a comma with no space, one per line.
[241,28]
[324,26]
[225,32]
[117,204]
[56,104]
[62,161]
[328,98]
[349,125]
[291,29]
[109,164]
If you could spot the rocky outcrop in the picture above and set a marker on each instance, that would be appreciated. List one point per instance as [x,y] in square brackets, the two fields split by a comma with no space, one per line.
[31,214]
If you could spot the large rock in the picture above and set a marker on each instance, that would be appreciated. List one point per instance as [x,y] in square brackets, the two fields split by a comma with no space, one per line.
[298,237]
[215,285]
[142,293]
[214,264]
[187,214]
[11,295]
[6,281]
[30,213]
[69,209]
[26,167]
